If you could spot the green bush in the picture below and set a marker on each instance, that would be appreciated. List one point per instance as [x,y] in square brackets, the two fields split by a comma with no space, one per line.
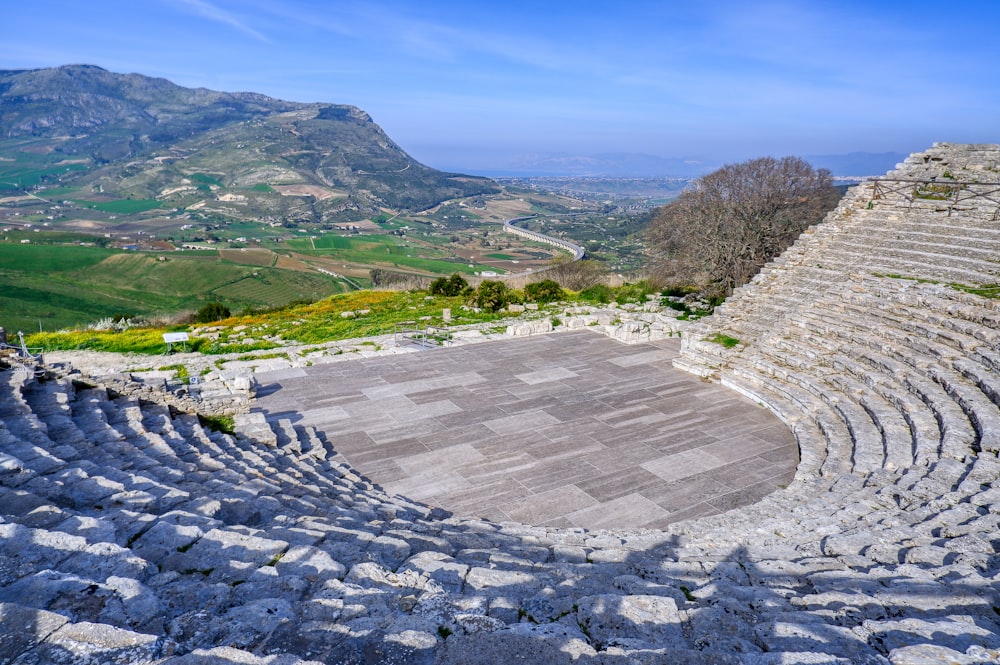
[544,291]
[212,311]
[636,292]
[599,293]
[675,291]
[454,285]
[491,295]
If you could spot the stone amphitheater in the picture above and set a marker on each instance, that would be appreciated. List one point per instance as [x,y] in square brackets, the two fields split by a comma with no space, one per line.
[131,534]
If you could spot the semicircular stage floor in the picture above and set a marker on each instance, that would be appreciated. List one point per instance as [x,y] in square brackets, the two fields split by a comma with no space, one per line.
[568,429]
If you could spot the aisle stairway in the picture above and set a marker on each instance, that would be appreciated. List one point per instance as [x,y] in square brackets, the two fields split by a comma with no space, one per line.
[131,534]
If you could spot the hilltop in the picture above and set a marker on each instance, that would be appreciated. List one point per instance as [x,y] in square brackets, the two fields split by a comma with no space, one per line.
[109,137]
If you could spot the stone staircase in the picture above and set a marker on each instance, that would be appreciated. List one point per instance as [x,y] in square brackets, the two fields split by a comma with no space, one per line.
[130,533]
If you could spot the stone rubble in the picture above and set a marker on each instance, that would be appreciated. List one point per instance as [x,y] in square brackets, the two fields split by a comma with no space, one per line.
[131,533]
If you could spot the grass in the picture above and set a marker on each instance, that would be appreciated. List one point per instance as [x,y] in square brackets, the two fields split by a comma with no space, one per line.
[224,424]
[204,178]
[33,303]
[49,258]
[936,192]
[306,322]
[984,290]
[309,323]
[182,371]
[25,172]
[122,206]
[61,287]
[147,341]
[385,251]
[724,340]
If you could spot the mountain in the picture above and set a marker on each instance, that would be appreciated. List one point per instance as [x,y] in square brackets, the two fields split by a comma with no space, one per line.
[132,136]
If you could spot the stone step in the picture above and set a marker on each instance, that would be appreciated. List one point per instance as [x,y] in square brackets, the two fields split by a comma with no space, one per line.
[895,433]
[867,449]
[911,264]
[964,396]
[837,451]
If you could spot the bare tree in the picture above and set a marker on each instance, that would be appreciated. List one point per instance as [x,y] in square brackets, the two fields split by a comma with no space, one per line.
[719,234]
[576,275]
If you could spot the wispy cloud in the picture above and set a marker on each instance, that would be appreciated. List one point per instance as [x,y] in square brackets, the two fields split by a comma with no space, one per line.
[219,15]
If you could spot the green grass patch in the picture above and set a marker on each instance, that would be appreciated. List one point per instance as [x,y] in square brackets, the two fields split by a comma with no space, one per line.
[57,192]
[135,340]
[262,187]
[984,290]
[224,424]
[50,258]
[182,371]
[385,251]
[205,179]
[123,206]
[54,287]
[18,176]
[724,340]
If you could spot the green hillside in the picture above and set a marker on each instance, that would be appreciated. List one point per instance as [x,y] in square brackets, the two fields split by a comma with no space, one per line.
[54,287]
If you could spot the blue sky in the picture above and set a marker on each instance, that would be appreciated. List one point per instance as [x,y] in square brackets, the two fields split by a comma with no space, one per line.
[477,85]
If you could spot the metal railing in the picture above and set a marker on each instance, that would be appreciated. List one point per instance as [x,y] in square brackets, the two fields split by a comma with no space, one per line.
[22,357]
[944,190]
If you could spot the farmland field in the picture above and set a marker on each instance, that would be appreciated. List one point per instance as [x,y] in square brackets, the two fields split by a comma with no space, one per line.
[30,170]
[55,286]
[49,258]
[386,251]
[276,287]
[122,206]
[250,257]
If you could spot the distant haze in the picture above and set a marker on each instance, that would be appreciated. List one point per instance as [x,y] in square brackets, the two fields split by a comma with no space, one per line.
[627,165]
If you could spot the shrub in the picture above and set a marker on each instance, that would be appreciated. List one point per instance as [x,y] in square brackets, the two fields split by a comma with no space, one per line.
[599,293]
[636,292]
[491,295]
[675,291]
[576,275]
[454,285]
[544,291]
[212,311]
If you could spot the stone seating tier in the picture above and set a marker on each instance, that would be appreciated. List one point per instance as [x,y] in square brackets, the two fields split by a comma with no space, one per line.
[148,533]
[133,534]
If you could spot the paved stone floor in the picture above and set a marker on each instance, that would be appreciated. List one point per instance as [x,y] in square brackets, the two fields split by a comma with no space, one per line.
[567,429]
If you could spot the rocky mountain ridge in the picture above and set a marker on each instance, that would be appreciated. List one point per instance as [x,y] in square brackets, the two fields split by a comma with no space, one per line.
[133,136]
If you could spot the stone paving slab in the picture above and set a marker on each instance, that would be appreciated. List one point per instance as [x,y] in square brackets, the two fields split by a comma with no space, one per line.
[572,429]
